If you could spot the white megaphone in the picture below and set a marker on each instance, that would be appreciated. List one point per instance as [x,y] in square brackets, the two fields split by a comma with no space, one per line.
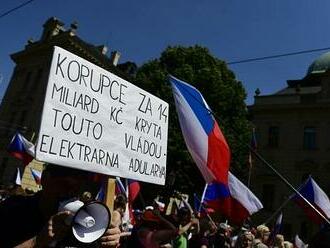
[89,222]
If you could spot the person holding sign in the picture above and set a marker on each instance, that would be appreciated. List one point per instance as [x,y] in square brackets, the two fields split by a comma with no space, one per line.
[34,221]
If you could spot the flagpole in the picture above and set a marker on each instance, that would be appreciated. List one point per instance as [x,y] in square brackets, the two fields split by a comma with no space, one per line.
[201,206]
[202,199]
[278,210]
[253,145]
[122,187]
[249,178]
[263,160]
[126,187]
[209,217]
[250,170]
[288,183]
[126,214]
[32,137]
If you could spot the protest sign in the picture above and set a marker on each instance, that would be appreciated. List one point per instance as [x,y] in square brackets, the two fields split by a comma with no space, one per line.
[96,121]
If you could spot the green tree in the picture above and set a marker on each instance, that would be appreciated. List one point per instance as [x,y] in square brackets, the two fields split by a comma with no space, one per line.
[224,94]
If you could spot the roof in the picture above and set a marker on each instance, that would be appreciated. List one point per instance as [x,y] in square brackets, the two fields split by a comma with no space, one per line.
[320,65]
[55,34]
[301,90]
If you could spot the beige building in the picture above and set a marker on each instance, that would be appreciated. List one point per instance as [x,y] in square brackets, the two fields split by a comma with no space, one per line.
[22,104]
[293,133]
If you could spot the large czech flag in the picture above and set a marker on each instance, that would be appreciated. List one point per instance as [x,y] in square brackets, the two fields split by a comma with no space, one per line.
[21,148]
[316,196]
[240,204]
[202,135]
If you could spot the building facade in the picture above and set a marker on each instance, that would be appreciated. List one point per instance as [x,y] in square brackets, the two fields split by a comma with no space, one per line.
[22,104]
[293,133]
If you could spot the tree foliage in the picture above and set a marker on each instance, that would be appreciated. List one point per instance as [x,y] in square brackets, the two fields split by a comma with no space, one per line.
[224,94]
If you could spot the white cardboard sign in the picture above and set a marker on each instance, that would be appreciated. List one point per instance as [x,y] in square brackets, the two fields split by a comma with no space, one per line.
[96,121]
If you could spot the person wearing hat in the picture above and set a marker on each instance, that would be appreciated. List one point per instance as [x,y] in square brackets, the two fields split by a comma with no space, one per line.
[262,237]
[34,221]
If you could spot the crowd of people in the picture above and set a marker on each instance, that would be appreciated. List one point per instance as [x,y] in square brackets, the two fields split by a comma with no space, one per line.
[33,220]
[202,232]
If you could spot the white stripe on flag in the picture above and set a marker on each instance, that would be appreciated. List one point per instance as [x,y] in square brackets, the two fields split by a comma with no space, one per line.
[18,180]
[195,137]
[243,195]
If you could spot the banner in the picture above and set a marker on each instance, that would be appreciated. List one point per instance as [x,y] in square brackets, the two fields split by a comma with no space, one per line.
[96,121]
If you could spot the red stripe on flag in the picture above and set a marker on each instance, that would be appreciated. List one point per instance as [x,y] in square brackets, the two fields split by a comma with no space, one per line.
[218,159]
[134,189]
[311,213]
[231,209]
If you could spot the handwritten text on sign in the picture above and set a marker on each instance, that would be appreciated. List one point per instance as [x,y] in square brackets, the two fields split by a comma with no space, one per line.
[96,121]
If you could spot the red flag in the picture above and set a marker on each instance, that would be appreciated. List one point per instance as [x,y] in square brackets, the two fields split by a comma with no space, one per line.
[133,189]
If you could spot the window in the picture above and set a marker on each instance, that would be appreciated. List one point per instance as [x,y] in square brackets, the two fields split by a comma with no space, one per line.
[268,195]
[273,136]
[309,138]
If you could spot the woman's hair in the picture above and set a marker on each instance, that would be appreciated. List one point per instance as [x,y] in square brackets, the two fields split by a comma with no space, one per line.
[120,202]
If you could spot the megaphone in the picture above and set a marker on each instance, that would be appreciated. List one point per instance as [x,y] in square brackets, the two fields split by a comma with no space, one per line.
[89,222]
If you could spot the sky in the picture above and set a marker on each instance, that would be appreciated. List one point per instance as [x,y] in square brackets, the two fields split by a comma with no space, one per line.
[140,30]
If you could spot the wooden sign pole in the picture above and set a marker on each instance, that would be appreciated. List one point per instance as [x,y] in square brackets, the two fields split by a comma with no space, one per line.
[110,193]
